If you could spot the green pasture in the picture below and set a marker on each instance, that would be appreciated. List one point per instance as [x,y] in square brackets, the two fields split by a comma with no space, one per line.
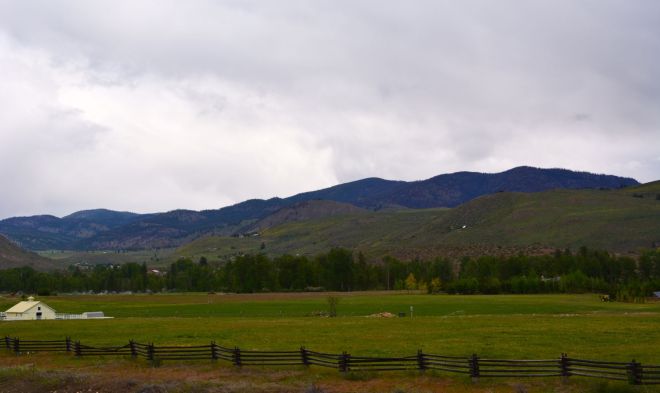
[504,326]
[64,258]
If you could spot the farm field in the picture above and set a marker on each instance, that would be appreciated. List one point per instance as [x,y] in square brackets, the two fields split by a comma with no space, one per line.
[509,326]
[499,326]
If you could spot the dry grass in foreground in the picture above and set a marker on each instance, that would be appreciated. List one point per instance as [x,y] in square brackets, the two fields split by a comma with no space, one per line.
[56,373]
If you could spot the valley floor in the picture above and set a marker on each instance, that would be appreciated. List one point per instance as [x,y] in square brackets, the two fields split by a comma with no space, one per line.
[502,326]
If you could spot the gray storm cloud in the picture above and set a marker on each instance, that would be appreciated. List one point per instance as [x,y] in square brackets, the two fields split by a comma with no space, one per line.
[156,105]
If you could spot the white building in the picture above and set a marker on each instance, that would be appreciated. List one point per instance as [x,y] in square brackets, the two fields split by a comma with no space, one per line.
[34,310]
[30,310]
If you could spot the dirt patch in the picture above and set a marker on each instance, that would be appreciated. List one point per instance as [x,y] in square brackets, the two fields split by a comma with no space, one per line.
[382,315]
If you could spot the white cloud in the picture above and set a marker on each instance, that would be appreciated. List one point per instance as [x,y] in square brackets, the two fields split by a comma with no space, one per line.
[156,105]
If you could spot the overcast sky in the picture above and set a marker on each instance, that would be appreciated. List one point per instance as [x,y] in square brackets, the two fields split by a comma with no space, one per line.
[155,105]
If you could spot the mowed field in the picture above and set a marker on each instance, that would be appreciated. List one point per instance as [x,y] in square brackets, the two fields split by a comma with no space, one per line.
[503,326]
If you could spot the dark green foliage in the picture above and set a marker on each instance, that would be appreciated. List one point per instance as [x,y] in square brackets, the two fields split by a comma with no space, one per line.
[127,277]
[184,275]
[622,278]
[250,273]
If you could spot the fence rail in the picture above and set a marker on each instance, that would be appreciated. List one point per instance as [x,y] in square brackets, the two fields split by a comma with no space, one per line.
[633,372]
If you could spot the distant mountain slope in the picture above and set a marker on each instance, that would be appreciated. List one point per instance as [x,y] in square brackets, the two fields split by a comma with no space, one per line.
[306,210]
[370,193]
[507,222]
[49,232]
[453,189]
[13,256]
[374,232]
[648,190]
[614,220]
[105,229]
[110,218]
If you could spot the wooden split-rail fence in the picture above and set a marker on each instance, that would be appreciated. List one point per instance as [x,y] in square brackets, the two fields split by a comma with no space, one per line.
[473,366]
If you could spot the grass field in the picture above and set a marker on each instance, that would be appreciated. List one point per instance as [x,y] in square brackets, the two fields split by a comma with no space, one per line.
[516,326]
[532,326]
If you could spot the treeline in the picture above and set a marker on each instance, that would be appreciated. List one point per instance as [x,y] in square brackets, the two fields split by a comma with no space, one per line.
[342,270]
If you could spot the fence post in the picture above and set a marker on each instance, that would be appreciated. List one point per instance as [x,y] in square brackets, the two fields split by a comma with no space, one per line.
[236,357]
[474,367]
[150,352]
[7,342]
[17,346]
[76,349]
[214,351]
[68,343]
[304,357]
[421,363]
[344,362]
[635,373]
[564,367]
[131,345]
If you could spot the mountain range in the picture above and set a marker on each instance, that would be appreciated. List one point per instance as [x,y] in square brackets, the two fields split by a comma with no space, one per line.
[103,229]
[623,221]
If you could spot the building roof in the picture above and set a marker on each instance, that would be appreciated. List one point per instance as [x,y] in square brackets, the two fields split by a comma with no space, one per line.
[25,306]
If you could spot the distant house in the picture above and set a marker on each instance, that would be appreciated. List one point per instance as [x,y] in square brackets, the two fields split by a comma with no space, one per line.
[30,310]
[656,294]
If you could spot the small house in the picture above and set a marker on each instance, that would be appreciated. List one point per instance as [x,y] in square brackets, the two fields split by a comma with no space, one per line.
[30,310]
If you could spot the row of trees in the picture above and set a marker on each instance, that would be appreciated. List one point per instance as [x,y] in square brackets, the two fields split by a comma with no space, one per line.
[342,270]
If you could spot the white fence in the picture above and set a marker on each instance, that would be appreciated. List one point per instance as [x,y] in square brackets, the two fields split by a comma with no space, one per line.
[86,315]
[70,316]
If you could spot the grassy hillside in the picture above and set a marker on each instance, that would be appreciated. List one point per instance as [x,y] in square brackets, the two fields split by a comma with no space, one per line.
[617,220]
[614,220]
[13,256]
[72,257]
[372,232]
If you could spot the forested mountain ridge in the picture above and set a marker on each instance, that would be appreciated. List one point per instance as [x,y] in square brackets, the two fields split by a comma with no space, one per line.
[105,229]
